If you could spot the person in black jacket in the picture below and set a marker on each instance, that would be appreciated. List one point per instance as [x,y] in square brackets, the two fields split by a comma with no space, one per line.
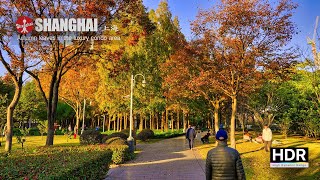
[205,138]
[190,135]
[224,162]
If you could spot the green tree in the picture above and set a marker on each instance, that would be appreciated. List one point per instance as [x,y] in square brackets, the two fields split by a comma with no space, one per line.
[30,106]
[42,126]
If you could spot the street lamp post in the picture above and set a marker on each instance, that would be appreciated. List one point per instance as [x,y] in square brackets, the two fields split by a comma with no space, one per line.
[84,110]
[130,138]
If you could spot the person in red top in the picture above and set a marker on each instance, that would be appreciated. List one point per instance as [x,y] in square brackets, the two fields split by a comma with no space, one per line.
[75,132]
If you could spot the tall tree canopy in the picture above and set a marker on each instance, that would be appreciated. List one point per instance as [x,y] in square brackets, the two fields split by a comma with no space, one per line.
[240,41]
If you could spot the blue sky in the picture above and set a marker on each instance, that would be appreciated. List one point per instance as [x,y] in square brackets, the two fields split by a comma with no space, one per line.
[186,10]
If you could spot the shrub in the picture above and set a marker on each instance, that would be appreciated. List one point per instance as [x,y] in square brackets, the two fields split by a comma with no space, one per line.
[34,131]
[94,169]
[126,131]
[117,134]
[145,134]
[81,162]
[120,153]
[90,137]
[16,132]
[59,132]
[169,134]
[104,138]
[42,126]
[116,141]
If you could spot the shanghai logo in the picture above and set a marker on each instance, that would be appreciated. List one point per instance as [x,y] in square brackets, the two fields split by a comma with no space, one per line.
[24,25]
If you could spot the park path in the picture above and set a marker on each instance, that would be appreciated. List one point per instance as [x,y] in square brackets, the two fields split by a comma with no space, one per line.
[165,159]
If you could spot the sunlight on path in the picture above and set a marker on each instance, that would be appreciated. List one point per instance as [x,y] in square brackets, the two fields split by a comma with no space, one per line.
[166,159]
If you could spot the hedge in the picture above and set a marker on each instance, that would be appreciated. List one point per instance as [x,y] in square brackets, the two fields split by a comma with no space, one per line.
[78,162]
[145,134]
[34,132]
[169,134]
[120,153]
[90,137]
[117,134]
[116,141]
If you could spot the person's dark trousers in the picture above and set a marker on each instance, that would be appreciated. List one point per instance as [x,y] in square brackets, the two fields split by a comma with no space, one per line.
[190,143]
[267,145]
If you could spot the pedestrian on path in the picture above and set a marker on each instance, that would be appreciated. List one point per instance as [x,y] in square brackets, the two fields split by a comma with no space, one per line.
[267,137]
[190,135]
[224,162]
[75,132]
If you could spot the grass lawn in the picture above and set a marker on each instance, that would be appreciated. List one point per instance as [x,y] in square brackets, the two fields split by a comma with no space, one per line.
[66,159]
[256,161]
[37,141]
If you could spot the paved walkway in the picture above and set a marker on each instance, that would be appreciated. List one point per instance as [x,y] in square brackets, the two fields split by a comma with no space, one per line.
[166,159]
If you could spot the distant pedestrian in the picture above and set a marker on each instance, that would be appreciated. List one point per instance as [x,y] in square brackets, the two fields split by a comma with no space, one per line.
[224,162]
[69,131]
[75,132]
[198,135]
[190,135]
[247,136]
[267,137]
[205,138]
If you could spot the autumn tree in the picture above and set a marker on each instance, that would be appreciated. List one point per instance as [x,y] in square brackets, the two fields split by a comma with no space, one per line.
[58,56]
[78,84]
[14,58]
[187,73]
[242,40]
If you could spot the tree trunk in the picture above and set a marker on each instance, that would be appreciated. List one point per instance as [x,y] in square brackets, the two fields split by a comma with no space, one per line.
[114,122]
[184,121]
[166,121]
[216,105]
[93,123]
[151,120]
[178,119]
[118,122]
[78,115]
[140,123]
[10,111]
[125,119]
[157,119]
[163,116]
[172,120]
[209,121]
[188,121]
[120,117]
[104,122]
[109,122]
[241,119]
[145,121]
[233,121]
[134,122]
[53,103]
